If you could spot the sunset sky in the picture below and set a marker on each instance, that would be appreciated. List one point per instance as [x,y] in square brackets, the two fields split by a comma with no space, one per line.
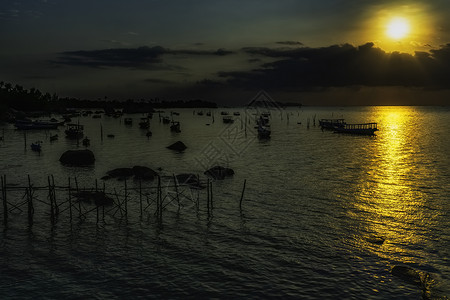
[328,52]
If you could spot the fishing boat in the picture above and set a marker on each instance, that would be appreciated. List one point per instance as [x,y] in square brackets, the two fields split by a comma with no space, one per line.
[263,120]
[36,146]
[228,120]
[362,129]
[29,124]
[166,120]
[128,121]
[74,131]
[86,142]
[144,124]
[175,127]
[263,132]
[331,124]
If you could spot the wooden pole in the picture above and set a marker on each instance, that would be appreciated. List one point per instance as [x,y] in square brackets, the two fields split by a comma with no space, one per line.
[96,204]
[5,203]
[126,200]
[211,194]
[30,202]
[161,201]
[176,190]
[70,202]
[101,132]
[242,194]
[140,196]
[52,210]
[79,202]
[54,197]
[207,200]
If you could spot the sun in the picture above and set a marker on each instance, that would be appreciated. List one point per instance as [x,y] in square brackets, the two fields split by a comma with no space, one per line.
[398,28]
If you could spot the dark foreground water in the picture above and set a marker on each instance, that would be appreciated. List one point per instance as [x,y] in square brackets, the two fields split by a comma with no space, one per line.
[324,215]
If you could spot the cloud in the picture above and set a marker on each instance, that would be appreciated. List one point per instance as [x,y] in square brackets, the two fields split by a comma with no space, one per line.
[119,57]
[290,43]
[157,80]
[142,57]
[342,65]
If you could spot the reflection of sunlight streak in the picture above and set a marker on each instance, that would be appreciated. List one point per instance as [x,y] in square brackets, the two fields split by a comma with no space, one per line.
[387,197]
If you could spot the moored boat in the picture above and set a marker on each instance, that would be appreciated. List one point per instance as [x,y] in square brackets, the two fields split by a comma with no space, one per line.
[175,127]
[74,131]
[28,124]
[36,146]
[331,123]
[362,129]
[263,132]
[228,120]
[128,121]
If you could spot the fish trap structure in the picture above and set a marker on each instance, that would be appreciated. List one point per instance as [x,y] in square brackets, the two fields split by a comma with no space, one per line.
[69,202]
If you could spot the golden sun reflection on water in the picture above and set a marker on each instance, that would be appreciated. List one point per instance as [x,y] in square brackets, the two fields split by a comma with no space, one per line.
[388,195]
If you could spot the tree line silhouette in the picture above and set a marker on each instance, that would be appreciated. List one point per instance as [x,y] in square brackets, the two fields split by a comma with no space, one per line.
[18,98]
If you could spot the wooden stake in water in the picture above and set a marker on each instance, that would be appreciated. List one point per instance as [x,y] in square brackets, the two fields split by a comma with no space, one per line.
[30,202]
[176,190]
[5,203]
[207,199]
[242,194]
[70,202]
[211,195]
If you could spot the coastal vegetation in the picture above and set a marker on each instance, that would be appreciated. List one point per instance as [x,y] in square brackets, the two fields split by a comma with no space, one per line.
[16,97]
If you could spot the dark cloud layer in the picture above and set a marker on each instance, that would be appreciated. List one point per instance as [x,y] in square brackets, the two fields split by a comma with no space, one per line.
[291,68]
[141,57]
[344,65]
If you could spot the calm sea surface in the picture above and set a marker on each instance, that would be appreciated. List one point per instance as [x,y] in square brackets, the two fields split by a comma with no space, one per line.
[324,215]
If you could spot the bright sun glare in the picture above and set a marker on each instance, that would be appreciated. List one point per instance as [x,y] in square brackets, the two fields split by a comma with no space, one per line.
[398,28]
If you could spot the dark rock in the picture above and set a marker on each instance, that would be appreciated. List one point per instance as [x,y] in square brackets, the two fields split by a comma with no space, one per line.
[144,173]
[219,172]
[418,278]
[77,157]
[177,146]
[121,173]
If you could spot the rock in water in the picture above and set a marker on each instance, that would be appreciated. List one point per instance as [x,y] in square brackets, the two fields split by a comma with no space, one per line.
[177,146]
[144,173]
[419,278]
[121,173]
[77,157]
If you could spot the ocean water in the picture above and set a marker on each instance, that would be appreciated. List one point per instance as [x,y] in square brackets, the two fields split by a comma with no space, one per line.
[323,215]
